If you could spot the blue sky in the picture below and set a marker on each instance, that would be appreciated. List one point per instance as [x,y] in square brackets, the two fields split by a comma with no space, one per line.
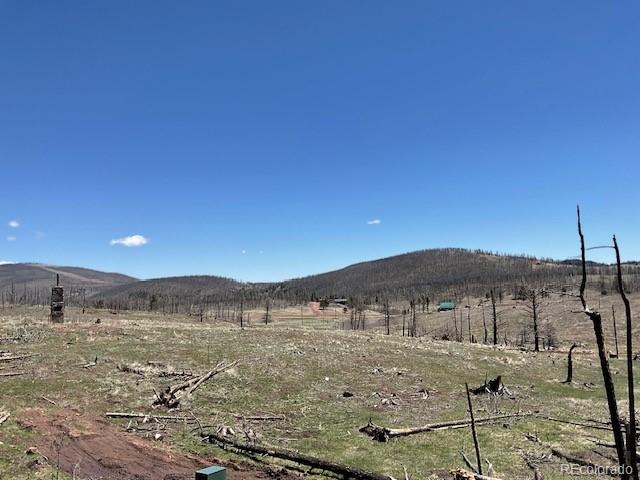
[257,139]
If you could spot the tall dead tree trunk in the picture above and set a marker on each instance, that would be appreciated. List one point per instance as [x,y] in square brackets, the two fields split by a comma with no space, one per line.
[570,365]
[615,330]
[495,318]
[484,324]
[473,431]
[267,307]
[596,319]
[534,306]
[631,433]
[387,316]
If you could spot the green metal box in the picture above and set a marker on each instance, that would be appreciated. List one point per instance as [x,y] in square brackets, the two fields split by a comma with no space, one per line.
[212,473]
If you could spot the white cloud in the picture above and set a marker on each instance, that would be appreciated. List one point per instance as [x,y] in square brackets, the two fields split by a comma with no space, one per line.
[11,239]
[131,241]
[375,221]
[6,262]
[14,224]
[244,251]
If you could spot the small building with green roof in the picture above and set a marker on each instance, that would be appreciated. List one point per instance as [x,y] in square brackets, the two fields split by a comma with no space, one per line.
[445,306]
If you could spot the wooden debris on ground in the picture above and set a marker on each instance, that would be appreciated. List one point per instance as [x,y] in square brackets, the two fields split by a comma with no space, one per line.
[171,396]
[4,416]
[148,416]
[493,387]
[259,418]
[153,368]
[91,364]
[8,356]
[11,374]
[383,434]
[461,474]
[293,456]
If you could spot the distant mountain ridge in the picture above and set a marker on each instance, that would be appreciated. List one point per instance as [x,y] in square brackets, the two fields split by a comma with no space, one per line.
[433,271]
[30,283]
[38,275]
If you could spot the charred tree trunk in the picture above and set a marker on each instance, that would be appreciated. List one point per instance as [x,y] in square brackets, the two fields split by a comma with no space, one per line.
[615,330]
[484,324]
[570,365]
[596,319]
[473,431]
[631,433]
[534,307]
[495,318]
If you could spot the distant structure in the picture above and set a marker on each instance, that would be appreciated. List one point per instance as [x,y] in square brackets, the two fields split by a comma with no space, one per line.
[445,306]
[57,302]
[341,301]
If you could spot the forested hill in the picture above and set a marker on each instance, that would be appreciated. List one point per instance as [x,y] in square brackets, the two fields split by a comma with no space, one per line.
[437,271]
[171,291]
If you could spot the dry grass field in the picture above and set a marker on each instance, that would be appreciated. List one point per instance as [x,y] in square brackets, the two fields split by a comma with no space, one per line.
[316,382]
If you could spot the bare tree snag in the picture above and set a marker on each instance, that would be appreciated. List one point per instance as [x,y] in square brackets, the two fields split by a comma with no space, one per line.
[484,324]
[596,319]
[615,330]
[534,315]
[495,318]
[473,430]
[631,432]
[570,365]
[296,457]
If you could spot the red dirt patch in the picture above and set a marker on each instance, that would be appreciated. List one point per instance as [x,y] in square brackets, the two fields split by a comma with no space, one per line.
[97,450]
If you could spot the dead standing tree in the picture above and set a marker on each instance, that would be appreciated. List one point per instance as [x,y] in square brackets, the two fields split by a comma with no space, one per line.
[533,306]
[267,307]
[631,432]
[495,318]
[615,330]
[387,316]
[570,365]
[596,319]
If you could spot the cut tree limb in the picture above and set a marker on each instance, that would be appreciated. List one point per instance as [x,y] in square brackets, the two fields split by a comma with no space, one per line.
[11,374]
[147,415]
[9,358]
[383,434]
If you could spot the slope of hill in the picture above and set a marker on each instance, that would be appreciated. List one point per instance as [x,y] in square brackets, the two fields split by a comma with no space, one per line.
[188,285]
[435,270]
[36,276]
[169,292]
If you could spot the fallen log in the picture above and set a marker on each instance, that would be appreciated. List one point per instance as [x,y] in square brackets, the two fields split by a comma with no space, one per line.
[296,457]
[570,422]
[259,418]
[46,399]
[461,474]
[17,357]
[11,374]
[383,434]
[147,415]
[170,397]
